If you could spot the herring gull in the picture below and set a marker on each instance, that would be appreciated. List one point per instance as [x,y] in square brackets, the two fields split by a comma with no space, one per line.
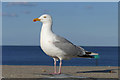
[58,47]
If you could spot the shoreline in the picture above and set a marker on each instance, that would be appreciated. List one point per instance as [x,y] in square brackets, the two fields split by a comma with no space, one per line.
[52,65]
[38,71]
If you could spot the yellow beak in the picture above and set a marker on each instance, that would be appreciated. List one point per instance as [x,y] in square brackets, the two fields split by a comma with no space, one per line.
[36,19]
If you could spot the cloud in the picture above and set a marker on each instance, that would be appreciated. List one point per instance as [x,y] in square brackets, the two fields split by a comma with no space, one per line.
[89,7]
[26,12]
[20,4]
[45,11]
[14,14]
[10,15]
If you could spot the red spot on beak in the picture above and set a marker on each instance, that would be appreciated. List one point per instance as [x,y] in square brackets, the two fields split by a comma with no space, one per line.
[34,20]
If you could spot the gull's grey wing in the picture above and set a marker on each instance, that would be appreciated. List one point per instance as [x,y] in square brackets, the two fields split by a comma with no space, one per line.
[69,48]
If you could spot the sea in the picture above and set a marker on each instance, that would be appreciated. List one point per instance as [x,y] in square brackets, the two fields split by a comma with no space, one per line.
[33,55]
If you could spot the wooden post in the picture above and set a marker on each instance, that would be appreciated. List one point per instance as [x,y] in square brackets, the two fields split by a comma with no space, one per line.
[96,62]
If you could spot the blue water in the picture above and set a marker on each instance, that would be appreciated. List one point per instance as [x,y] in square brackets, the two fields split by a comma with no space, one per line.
[33,55]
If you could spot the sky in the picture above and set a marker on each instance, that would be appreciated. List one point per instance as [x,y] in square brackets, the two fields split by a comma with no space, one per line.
[83,23]
[60,0]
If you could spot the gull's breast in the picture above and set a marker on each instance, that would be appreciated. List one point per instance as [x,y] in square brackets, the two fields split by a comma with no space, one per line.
[49,48]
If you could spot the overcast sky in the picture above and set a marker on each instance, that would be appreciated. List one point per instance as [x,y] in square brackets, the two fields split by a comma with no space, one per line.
[83,23]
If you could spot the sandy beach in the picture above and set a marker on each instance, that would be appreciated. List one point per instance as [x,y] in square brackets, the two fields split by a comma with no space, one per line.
[11,71]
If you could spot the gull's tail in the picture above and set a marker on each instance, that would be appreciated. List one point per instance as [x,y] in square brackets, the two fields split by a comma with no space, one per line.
[90,55]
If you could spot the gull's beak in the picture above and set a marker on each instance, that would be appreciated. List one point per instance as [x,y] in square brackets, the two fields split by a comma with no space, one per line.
[36,19]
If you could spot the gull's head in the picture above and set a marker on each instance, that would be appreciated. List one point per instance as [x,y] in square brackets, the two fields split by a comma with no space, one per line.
[44,18]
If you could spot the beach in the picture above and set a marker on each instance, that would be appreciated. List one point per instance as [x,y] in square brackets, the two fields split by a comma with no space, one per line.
[36,71]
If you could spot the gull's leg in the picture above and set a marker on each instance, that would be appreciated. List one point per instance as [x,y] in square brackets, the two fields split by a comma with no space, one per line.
[55,70]
[60,67]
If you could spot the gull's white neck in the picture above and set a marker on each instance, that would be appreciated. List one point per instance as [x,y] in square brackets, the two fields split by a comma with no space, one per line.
[46,29]
[46,32]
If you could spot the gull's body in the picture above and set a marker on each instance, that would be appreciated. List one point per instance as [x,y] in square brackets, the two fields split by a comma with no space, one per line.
[55,46]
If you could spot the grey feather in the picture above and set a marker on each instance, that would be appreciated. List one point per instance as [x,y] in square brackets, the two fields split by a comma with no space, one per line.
[68,47]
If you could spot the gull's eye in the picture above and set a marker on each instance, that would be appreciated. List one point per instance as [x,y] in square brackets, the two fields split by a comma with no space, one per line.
[44,16]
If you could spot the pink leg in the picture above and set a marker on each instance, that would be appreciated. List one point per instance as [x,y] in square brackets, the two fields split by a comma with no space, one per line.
[55,71]
[60,67]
